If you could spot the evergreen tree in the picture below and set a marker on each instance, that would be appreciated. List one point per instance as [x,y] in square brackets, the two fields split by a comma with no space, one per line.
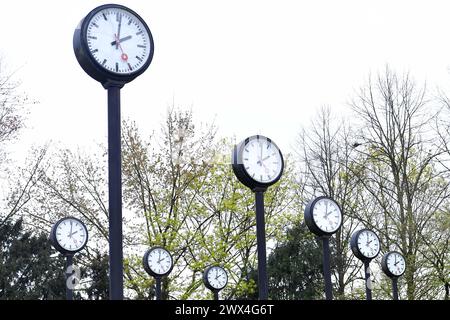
[28,267]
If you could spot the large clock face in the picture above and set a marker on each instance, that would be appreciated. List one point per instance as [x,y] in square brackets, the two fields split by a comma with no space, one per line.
[327,215]
[71,234]
[396,263]
[368,244]
[262,160]
[217,277]
[118,40]
[159,261]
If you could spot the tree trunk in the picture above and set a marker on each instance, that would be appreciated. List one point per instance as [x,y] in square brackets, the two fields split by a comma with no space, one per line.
[447,291]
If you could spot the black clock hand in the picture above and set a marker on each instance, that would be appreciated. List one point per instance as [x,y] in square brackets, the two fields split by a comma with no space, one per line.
[118,31]
[116,43]
[70,232]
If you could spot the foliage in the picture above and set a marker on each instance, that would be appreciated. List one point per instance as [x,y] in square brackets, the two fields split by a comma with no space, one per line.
[29,268]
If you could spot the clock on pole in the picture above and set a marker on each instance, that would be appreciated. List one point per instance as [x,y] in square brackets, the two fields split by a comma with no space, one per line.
[365,245]
[393,265]
[114,45]
[258,163]
[158,263]
[323,216]
[69,235]
[215,279]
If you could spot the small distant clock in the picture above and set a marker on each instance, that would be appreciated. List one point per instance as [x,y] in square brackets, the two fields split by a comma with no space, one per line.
[393,264]
[365,244]
[323,216]
[215,278]
[257,162]
[113,44]
[69,235]
[158,262]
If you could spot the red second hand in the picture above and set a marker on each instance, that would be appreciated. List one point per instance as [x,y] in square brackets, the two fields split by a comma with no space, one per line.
[123,56]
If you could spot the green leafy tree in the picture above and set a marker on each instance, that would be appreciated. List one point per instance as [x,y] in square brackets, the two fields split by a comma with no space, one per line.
[295,267]
[29,269]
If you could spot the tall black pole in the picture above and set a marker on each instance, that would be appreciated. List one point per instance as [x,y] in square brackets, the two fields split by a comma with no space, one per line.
[115,195]
[216,295]
[395,288]
[327,268]
[261,241]
[69,263]
[158,288]
[368,281]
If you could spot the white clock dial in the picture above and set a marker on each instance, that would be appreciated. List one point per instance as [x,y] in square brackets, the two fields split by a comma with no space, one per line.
[160,261]
[118,40]
[217,278]
[71,234]
[368,244]
[262,160]
[327,215]
[396,263]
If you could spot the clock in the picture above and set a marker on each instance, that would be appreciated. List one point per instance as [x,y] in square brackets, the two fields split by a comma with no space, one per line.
[257,162]
[323,216]
[393,264]
[215,278]
[365,244]
[69,235]
[113,44]
[158,262]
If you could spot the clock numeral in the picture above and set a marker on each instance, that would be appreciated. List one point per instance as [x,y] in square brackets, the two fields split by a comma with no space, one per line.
[104,17]
[104,61]
[137,57]
[117,67]
[94,51]
[130,21]
[94,24]
[140,32]
[141,46]
[129,66]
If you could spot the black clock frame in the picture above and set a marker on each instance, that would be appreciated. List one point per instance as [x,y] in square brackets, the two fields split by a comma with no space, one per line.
[88,62]
[55,243]
[354,245]
[385,268]
[206,282]
[147,267]
[309,217]
[239,169]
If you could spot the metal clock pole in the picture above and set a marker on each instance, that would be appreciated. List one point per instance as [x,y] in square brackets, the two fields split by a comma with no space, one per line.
[327,267]
[323,216]
[395,288]
[92,48]
[393,265]
[115,194]
[69,263]
[216,294]
[261,243]
[368,280]
[258,176]
[158,288]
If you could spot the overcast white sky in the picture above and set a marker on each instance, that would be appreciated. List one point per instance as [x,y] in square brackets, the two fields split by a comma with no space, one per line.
[255,66]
